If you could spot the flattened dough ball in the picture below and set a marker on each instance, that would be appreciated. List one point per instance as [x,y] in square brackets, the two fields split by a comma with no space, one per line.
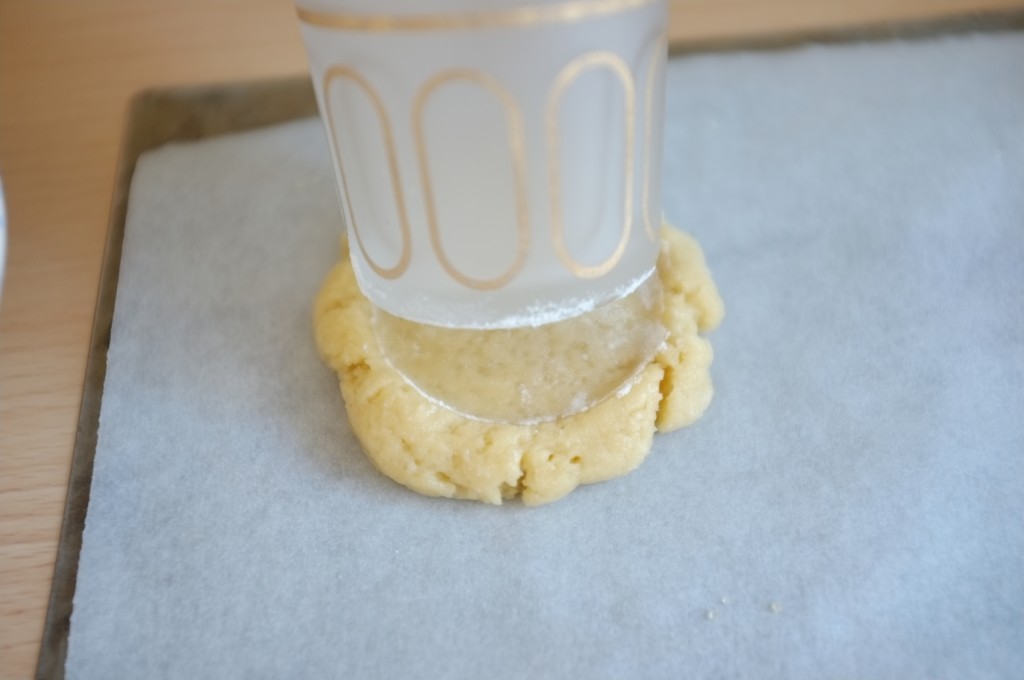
[438,452]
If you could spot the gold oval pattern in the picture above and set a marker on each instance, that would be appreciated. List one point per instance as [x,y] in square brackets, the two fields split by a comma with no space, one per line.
[660,47]
[517,152]
[575,68]
[348,73]
[514,17]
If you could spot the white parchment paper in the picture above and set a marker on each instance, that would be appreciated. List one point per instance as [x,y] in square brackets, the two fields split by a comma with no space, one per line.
[861,467]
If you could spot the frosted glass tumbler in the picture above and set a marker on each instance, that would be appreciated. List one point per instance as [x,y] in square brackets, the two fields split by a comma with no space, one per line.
[498,162]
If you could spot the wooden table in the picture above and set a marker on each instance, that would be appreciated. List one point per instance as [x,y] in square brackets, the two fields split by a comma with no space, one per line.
[67,70]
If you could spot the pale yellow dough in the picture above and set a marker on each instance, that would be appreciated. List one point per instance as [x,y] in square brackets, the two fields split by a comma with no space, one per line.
[438,452]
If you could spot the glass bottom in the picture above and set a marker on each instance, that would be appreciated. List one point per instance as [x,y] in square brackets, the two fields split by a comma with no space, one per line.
[529,375]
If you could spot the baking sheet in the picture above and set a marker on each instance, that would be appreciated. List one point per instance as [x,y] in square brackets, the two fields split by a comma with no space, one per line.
[860,467]
[154,117]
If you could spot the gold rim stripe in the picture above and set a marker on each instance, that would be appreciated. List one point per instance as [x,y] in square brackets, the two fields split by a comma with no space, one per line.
[514,17]
[570,73]
[516,134]
[345,72]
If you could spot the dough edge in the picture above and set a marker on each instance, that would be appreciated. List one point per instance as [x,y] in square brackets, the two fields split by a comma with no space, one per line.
[437,452]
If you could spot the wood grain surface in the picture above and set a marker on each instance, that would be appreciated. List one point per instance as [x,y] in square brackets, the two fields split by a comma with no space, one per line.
[67,71]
